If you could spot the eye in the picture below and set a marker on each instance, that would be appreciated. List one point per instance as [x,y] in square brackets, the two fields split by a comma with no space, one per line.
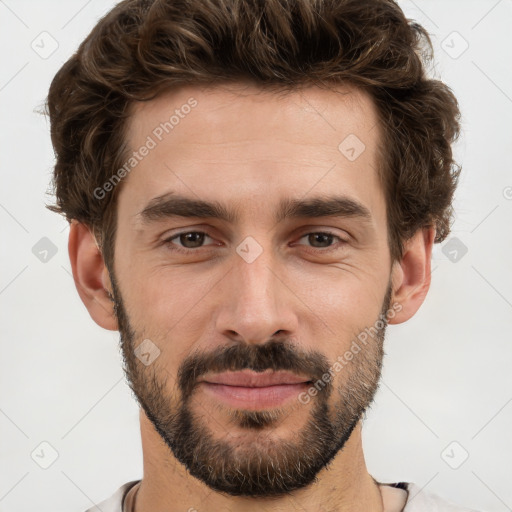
[190,240]
[187,241]
[323,240]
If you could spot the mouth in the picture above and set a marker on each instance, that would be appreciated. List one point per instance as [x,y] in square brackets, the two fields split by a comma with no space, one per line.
[251,390]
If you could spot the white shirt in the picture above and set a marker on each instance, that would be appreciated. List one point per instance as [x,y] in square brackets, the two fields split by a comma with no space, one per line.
[395,497]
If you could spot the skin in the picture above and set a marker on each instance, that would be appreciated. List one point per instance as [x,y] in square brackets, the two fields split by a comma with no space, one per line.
[320,300]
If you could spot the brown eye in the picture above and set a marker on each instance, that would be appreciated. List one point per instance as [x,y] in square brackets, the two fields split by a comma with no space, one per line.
[192,240]
[322,239]
[188,240]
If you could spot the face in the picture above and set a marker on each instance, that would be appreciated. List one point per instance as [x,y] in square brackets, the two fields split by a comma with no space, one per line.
[251,278]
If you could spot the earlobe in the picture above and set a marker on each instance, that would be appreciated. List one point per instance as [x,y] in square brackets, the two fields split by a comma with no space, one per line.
[90,275]
[411,276]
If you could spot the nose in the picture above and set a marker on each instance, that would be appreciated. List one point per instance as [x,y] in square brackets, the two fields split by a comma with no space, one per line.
[256,302]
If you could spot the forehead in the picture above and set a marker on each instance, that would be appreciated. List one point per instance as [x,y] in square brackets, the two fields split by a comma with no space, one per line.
[223,108]
[245,144]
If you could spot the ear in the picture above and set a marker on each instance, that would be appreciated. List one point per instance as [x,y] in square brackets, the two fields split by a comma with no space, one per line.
[91,275]
[411,276]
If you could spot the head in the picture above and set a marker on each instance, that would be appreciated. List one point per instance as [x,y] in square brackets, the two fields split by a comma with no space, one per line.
[306,151]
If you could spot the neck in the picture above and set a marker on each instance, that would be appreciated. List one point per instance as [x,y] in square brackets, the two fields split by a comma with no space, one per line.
[344,486]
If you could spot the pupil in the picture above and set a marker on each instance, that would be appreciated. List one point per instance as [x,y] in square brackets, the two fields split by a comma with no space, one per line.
[313,237]
[194,238]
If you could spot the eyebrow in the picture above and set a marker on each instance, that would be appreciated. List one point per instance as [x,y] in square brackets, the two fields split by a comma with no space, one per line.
[174,205]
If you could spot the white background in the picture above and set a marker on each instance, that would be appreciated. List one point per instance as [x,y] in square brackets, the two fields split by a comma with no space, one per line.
[447,373]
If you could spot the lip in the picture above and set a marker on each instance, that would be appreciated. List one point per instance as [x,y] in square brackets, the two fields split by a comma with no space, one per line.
[251,379]
[253,391]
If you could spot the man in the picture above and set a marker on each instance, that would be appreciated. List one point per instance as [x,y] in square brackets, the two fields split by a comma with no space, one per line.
[254,189]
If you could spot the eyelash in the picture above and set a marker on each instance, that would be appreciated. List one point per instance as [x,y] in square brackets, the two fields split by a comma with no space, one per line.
[168,242]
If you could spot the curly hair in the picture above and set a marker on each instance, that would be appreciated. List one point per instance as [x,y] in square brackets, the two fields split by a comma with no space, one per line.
[142,48]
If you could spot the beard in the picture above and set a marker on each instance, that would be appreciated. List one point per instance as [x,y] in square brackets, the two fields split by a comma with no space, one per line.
[262,464]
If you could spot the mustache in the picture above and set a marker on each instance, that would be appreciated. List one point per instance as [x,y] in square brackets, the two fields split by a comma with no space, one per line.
[273,355]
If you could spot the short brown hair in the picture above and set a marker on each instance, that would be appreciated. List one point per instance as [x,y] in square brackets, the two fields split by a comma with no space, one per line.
[144,47]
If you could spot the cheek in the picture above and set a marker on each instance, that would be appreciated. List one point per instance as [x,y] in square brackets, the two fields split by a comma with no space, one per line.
[166,298]
[346,302]
[165,308]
